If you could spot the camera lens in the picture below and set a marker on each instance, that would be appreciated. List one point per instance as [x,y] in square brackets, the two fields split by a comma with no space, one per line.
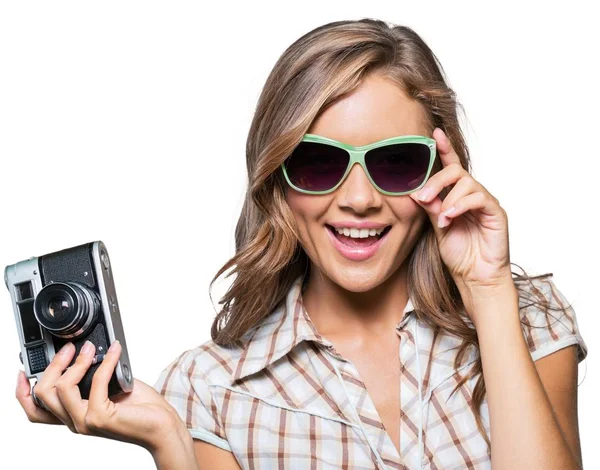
[59,307]
[66,309]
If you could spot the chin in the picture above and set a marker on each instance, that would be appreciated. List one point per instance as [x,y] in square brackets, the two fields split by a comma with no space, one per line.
[358,279]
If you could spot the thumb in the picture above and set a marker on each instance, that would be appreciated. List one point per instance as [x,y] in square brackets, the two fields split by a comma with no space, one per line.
[23,385]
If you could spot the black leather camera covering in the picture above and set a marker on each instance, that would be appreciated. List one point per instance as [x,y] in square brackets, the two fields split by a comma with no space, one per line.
[69,265]
[75,265]
[99,338]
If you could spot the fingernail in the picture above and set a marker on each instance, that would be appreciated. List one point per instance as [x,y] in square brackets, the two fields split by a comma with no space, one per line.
[449,211]
[442,221]
[65,349]
[113,347]
[424,194]
[87,347]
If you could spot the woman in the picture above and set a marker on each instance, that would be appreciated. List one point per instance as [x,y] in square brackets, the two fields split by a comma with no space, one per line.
[374,321]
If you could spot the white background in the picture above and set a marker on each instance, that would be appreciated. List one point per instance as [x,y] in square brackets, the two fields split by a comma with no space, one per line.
[127,121]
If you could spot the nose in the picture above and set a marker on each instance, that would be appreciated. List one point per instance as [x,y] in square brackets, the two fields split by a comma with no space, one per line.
[357,192]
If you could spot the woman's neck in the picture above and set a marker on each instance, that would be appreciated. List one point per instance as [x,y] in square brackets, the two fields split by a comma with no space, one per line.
[341,314]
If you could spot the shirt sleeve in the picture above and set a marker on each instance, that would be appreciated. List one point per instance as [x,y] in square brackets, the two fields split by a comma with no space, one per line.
[547,333]
[183,387]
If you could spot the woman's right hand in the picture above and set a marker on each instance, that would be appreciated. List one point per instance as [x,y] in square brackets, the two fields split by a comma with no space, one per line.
[141,417]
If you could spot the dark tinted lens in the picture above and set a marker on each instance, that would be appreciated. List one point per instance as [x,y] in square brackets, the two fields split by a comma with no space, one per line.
[316,167]
[398,167]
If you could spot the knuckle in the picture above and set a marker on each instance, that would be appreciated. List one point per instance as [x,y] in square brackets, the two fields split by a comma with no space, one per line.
[457,167]
[81,358]
[99,376]
[55,362]
[42,393]
[60,385]
[58,361]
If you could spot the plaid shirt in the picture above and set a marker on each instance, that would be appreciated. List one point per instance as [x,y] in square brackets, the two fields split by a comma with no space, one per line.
[284,398]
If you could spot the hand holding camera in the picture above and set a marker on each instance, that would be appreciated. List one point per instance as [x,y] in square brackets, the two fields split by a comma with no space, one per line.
[140,417]
[73,343]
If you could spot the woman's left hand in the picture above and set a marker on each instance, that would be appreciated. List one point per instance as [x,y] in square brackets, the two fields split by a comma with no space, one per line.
[473,240]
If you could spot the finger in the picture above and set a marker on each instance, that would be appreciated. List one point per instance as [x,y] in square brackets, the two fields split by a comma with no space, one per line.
[34,413]
[59,363]
[461,189]
[444,147]
[433,212]
[102,376]
[68,390]
[45,389]
[436,183]
[443,177]
[476,200]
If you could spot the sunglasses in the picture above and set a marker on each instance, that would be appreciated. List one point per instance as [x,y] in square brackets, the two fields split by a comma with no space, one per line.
[395,166]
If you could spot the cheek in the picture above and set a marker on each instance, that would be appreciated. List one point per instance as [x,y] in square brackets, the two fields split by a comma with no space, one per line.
[411,218]
[408,211]
[307,208]
[299,207]
[309,213]
[304,210]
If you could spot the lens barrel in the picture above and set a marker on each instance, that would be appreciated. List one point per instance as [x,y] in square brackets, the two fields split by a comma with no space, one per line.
[66,309]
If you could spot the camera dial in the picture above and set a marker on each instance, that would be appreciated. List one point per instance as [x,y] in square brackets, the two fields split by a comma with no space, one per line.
[66,309]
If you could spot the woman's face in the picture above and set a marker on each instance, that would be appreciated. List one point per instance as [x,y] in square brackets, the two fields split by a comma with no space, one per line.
[377,110]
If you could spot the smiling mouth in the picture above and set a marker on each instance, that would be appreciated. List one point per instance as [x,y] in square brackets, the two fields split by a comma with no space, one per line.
[358,241]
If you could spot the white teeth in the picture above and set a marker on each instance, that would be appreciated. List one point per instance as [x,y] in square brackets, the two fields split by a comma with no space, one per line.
[359,233]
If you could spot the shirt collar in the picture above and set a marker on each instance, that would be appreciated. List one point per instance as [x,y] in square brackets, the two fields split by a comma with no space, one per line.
[287,326]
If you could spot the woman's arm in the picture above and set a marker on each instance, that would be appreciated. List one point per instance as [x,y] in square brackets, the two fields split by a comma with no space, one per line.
[211,456]
[524,430]
[181,452]
[176,452]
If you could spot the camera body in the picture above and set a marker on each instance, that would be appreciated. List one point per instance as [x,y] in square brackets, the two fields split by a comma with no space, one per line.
[68,295]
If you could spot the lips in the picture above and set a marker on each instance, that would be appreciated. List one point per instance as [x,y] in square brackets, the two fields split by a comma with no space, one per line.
[357,249]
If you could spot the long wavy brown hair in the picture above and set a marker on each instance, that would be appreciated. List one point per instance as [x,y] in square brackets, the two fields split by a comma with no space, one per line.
[318,69]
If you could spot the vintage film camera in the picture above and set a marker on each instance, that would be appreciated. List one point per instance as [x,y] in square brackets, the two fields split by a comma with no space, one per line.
[68,295]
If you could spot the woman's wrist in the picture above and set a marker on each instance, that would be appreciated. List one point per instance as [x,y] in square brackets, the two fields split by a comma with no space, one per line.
[174,449]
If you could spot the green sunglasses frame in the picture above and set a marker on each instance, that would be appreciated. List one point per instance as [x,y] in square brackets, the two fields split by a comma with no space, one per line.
[357,155]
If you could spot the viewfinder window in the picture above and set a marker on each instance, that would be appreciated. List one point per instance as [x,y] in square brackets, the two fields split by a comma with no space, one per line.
[31,328]
[24,290]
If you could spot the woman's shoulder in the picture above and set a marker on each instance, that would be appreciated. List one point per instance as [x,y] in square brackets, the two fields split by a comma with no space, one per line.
[211,363]
[208,362]
[185,385]
[548,319]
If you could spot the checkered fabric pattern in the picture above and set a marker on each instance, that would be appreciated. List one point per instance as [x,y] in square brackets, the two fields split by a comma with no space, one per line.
[284,398]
